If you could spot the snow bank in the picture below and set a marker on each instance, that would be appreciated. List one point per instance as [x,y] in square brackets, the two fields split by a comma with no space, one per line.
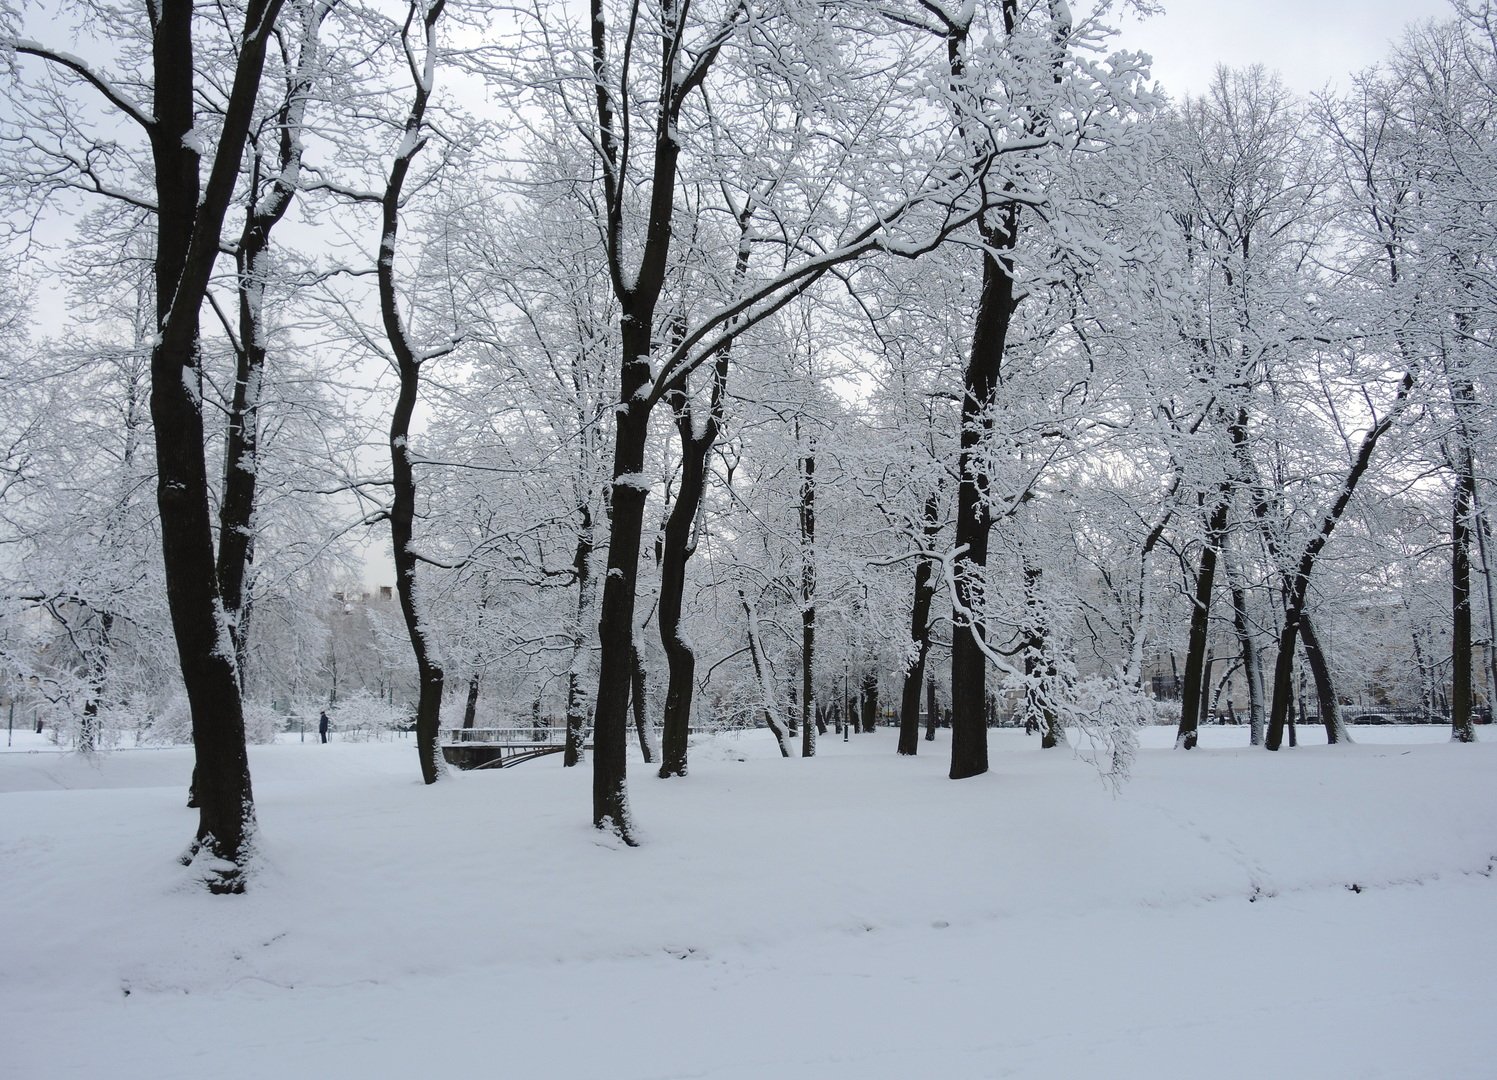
[1322,911]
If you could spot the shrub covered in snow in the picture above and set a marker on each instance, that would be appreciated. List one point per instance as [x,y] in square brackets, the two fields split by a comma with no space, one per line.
[362,716]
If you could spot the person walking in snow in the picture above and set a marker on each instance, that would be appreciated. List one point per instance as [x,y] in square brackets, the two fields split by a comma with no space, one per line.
[323,725]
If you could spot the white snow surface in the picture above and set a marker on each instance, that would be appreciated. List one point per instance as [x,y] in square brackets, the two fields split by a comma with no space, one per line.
[854,915]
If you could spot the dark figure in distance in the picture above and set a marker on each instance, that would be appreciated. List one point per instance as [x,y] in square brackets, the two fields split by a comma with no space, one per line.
[322,725]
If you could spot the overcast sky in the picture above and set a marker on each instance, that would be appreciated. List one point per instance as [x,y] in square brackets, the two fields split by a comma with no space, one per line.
[1310,42]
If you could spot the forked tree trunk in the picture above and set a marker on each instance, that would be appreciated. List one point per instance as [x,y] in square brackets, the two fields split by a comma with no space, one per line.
[1298,585]
[189,226]
[269,198]
[677,547]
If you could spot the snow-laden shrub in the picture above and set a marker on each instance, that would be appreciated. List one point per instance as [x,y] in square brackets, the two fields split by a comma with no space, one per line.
[171,723]
[261,723]
[362,716]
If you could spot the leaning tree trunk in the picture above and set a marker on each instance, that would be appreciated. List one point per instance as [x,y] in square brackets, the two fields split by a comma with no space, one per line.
[638,694]
[1325,683]
[761,678]
[1298,585]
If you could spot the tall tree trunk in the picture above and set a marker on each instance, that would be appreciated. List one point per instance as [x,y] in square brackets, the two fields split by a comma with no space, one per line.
[680,659]
[408,365]
[470,707]
[582,563]
[1194,689]
[1461,652]
[807,519]
[1482,527]
[931,719]
[914,674]
[1298,584]
[97,662]
[269,197]
[638,693]
[761,678]
[1252,660]
[1039,663]
[189,227]
[616,622]
[995,309]
[677,547]
[870,700]
[1325,684]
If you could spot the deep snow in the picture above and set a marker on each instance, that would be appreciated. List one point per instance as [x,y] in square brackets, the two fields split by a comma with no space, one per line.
[1321,912]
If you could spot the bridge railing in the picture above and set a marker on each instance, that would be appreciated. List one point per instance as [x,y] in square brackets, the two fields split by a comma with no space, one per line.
[510,735]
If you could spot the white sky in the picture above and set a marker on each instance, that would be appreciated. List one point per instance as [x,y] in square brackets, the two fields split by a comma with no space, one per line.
[1309,42]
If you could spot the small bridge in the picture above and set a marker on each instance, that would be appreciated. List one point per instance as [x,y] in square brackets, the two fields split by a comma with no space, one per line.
[501,747]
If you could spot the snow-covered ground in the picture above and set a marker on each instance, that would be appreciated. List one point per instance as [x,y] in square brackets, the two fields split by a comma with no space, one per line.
[1322,912]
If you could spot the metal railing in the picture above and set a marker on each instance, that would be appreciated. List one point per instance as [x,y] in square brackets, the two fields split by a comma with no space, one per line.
[510,735]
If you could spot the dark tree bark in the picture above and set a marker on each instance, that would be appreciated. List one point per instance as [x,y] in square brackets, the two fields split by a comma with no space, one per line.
[931,719]
[1194,689]
[1325,683]
[974,521]
[408,363]
[269,198]
[925,591]
[582,562]
[808,598]
[1298,585]
[869,695]
[470,707]
[1462,727]
[189,225]
[637,694]
[677,547]
[638,294]
[761,677]
[1252,661]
